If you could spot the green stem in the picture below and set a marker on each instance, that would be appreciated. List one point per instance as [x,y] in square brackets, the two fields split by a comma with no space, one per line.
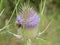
[13,11]
[1,4]
[28,42]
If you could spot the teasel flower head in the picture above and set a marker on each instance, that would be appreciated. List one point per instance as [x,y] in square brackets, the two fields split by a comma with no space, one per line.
[29,19]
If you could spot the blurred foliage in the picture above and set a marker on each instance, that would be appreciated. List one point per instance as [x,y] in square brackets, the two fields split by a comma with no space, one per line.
[52,11]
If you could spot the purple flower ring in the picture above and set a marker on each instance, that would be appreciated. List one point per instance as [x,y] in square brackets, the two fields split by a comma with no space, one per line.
[32,19]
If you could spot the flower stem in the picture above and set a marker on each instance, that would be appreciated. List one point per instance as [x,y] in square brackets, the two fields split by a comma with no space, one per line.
[28,42]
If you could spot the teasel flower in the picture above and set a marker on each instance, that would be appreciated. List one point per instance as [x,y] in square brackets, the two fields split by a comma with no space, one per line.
[29,20]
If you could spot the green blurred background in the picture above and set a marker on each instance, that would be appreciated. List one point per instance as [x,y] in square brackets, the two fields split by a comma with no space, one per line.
[51,12]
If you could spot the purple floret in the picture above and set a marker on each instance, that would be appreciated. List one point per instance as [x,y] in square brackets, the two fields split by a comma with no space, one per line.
[19,19]
[32,21]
